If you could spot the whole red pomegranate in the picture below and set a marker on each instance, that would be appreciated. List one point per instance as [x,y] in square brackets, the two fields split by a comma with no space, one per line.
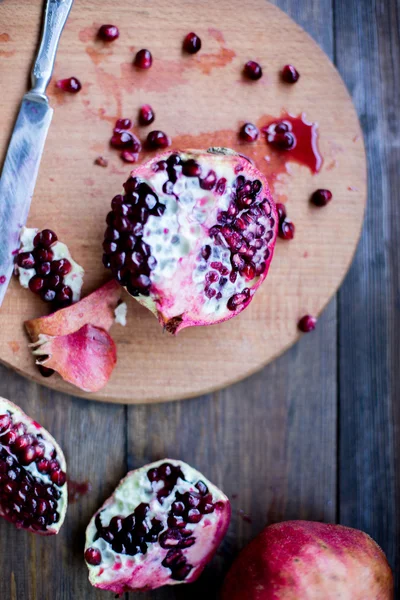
[303,560]
[193,236]
[33,488]
[161,526]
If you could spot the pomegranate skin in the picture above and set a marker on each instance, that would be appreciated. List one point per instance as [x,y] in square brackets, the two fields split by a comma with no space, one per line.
[303,560]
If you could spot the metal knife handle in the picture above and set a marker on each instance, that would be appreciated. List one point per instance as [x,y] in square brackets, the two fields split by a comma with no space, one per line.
[55,16]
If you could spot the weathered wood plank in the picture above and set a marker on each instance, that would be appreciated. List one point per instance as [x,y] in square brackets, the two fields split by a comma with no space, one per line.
[367,50]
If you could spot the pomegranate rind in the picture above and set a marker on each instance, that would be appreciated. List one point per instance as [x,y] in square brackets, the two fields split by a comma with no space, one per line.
[121,573]
[34,428]
[97,309]
[311,561]
[85,358]
[174,296]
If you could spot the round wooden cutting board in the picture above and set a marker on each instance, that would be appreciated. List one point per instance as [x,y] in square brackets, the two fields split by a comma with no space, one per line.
[199,100]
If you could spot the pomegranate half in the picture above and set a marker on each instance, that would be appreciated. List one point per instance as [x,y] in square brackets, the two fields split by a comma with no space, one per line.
[33,488]
[161,526]
[193,236]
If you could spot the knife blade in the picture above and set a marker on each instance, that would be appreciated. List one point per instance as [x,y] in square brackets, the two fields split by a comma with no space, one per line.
[21,165]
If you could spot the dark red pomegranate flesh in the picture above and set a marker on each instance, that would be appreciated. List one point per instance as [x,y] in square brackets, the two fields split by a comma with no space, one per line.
[108,33]
[45,265]
[33,489]
[143,59]
[71,85]
[252,70]
[191,43]
[290,74]
[193,235]
[161,526]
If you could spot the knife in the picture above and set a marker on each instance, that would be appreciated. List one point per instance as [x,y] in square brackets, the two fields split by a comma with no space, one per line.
[26,146]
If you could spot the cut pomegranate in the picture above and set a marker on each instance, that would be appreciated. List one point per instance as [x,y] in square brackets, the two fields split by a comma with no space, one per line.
[290,74]
[108,33]
[249,132]
[307,323]
[129,157]
[191,238]
[191,43]
[45,266]
[74,341]
[161,526]
[101,161]
[252,70]
[321,197]
[71,85]
[157,140]
[143,59]
[146,115]
[286,229]
[32,473]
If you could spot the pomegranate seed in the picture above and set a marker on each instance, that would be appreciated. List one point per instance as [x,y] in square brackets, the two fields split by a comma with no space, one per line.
[191,168]
[123,124]
[283,141]
[146,115]
[22,442]
[125,140]
[45,238]
[5,422]
[286,230]
[36,284]
[93,556]
[39,451]
[28,455]
[47,295]
[158,139]
[64,296]
[43,268]
[58,477]
[129,157]
[108,33]
[249,132]
[101,161]
[143,59]
[25,260]
[191,43]
[281,208]
[290,74]
[43,465]
[45,371]
[252,70]
[321,197]
[71,85]
[307,323]
[43,254]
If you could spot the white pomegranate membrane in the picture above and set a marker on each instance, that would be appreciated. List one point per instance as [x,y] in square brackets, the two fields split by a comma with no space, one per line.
[162,525]
[33,489]
[193,236]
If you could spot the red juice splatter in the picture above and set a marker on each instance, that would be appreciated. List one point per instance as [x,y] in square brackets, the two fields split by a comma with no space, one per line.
[77,489]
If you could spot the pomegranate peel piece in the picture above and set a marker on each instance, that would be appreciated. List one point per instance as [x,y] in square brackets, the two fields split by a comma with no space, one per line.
[161,526]
[85,358]
[33,473]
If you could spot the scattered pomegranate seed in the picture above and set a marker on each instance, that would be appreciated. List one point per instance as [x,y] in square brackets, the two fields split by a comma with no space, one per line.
[71,85]
[321,197]
[123,124]
[158,139]
[281,208]
[284,141]
[307,323]
[93,556]
[108,33]
[129,157]
[286,230]
[143,59]
[252,70]
[125,140]
[146,115]
[249,132]
[101,161]
[191,43]
[290,74]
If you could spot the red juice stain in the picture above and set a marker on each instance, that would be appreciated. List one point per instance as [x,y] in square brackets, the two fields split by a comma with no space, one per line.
[4,37]
[245,517]
[77,489]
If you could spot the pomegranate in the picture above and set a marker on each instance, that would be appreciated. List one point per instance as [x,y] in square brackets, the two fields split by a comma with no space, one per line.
[161,526]
[193,236]
[191,43]
[33,489]
[307,323]
[45,266]
[143,59]
[108,33]
[290,74]
[74,341]
[71,85]
[158,140]
[310,561]
[146,115]
[252,70]
[286,229]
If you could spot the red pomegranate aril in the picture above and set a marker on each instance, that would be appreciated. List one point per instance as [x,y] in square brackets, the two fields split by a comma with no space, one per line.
[191,168]
[191,43]
[281,208]
[129,157]
[42,254]
[289,74]
[249,132]
[58,477]
[93,556]
[64,295]
[25,260]
[48,295]
[108,33]
[43,268]
[5,422]
[146,115]
[252,70]
[307,323]
[36,284]
[27,455]
[45,238]
[123,124]
[158,140]
[22,442]
[71,85]
[143,59]
[193,515]
[39,451]
[125,140]
[283,141]
[286,230]
[321,197]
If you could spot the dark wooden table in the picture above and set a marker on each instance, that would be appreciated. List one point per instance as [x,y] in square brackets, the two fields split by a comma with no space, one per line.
[316,434]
